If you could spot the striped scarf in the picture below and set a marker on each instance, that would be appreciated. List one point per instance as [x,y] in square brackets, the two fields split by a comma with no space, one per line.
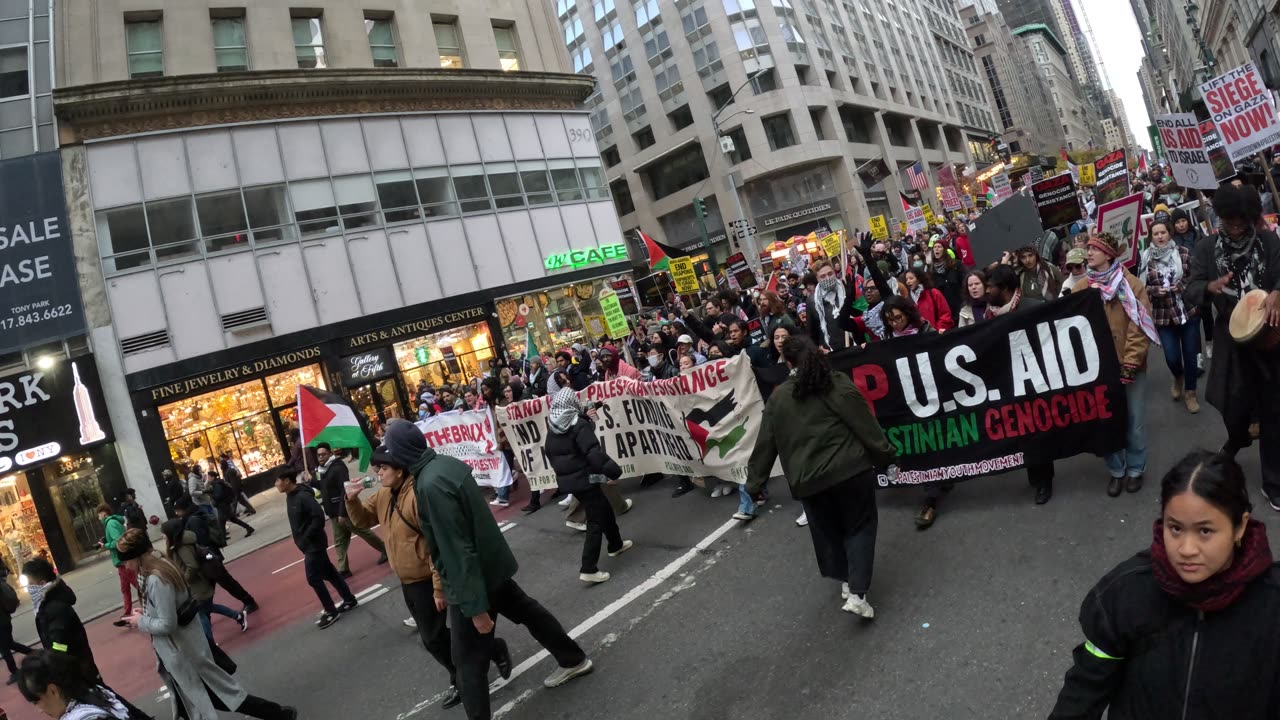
[1113,283]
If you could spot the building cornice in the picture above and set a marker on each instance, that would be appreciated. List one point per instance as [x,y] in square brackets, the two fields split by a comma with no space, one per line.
[128,107]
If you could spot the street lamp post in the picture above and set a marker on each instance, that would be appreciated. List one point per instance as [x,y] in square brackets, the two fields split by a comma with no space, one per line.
[742,229]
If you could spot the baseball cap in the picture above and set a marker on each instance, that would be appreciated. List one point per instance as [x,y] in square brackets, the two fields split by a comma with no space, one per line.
[1075,256]
[684,340]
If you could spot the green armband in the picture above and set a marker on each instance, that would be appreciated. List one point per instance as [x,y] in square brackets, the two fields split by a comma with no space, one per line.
[1096,652]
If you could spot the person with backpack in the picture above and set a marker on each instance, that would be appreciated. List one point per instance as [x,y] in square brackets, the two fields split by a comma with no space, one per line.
[113,527]
[235,479]
[191,558]
[211,535]
[131,511]
[224,501]
[8,606]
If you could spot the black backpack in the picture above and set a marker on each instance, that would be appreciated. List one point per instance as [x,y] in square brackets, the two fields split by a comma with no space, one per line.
[221,492]
[134,517]
[8,598]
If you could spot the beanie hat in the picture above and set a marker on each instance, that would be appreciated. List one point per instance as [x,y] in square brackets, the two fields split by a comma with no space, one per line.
[1108,244]
[403,444]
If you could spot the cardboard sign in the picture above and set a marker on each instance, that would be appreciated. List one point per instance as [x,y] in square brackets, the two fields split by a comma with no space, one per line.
[471,437]
[1007,226]
[740,272]
[915,219]
[1000,183]
[1113,176]
[831,245]
[1122,218]
[902,228]
[1036,173]
[625,297]
[1242,110]
[1186,151]
[615,320]
[929,218]
[1056,201]
[967,200]
[879,228]
[683,275]
[950,199]
[1223,168]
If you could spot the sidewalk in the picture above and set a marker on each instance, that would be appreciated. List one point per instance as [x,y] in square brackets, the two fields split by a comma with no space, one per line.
[97,586]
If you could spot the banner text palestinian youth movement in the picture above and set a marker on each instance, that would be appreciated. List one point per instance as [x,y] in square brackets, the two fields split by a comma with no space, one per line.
[470,437]
[1031,387]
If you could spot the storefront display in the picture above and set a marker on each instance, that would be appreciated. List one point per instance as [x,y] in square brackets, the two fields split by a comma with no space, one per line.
[449,357]
[250,419]
[554,318]
[24,536]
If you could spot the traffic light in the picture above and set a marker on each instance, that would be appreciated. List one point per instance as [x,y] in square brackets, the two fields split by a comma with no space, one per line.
[700,207]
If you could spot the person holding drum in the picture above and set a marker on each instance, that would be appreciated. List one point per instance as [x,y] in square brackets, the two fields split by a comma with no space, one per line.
[1238,270]
[1165,268]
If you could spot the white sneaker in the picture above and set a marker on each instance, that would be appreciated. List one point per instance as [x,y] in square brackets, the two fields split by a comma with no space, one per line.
[565,502]
[626,545]
[716,493]
[499,502]
[1200,361]
[859,606]
[802,520]
[743,516]
[410,622]
[844,591]
[580,527]
[564,675]
[594,578]
[628,505]
[1208,350]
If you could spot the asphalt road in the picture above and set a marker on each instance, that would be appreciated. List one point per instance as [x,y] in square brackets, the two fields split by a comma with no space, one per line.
[705,619]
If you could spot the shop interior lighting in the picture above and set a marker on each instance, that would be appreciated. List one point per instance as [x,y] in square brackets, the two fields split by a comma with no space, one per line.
[45,362]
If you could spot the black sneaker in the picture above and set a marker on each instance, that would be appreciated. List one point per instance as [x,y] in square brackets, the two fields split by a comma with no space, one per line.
[250,531]
[348,606]
[530,508]
[346,574]
[382,559]
[250,607]
[1044,494]
[451,698]
[1272,503]
[502,658]
[327,619]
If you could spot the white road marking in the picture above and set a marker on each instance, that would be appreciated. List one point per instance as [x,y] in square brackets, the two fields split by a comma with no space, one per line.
[295,562]
[373,596]
[506,526]
[604,614]
[360,595]
[511,705]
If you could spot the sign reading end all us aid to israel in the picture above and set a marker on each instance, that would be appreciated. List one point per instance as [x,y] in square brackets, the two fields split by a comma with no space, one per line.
[1241,108]
[1185,148]
[39,287]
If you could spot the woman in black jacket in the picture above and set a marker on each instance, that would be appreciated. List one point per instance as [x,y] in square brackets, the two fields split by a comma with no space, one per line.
[574,452]
[1189,628]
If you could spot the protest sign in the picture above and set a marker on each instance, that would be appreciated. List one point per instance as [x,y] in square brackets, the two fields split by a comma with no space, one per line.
[1036,173]
[1121,218]
[879,228]
[615,320]
[902,228]
[683,275]
[929,218]
[1242,111]
[1056,201]
[1088,175]
[950,199]
[701,423]
[1029,387]
[967,201]
[740,273]
[831,244]
[1185,149]
[471,437]
[1000,183]
[1112,177]
[1223,168]
[626,298]
[1007,226]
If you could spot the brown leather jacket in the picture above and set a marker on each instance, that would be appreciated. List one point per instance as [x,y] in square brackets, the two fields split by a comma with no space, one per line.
[407,549]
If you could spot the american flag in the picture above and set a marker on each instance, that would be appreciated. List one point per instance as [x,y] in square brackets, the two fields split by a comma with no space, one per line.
[915,174]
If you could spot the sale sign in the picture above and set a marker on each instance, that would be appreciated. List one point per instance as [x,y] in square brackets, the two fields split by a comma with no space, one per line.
[1185,148]
[1241,108]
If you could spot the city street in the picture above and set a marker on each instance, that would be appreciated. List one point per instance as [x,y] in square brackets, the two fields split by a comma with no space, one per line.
[976,617]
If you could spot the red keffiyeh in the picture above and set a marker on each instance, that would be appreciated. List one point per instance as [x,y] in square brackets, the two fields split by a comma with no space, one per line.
[1252,558]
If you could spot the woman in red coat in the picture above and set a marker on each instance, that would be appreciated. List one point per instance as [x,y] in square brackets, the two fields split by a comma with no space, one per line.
[933,306]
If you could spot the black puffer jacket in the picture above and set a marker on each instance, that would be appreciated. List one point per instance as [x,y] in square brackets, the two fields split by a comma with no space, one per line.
[1148,656]
[61,630]
[576,454]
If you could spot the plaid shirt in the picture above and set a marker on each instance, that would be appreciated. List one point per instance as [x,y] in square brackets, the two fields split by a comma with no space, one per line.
[1168,309]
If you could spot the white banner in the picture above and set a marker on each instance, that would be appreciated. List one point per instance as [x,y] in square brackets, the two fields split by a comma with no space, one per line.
[1241,108]
[701,423]
[471,437]
[1185,149]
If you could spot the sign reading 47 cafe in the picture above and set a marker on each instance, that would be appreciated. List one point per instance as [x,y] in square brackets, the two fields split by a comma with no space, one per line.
[576,259]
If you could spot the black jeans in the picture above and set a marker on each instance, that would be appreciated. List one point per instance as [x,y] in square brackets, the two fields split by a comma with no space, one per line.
[1040,476]
[472,651]
[319,569]
[843,521]
[601,523]
[1268,448]
[433,626]
[8,646]
[253,706]
[222,578]
[226,514]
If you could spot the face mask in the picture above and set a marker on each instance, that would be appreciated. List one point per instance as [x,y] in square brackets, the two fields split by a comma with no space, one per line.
[829,284]
[654,360]
[917,265]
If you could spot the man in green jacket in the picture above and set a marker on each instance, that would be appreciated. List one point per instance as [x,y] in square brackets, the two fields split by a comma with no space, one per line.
[476,567]
[113,526]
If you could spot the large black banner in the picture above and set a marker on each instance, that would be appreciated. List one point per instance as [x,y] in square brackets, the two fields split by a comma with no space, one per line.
[1112,172]
[39,288]
[1037,385]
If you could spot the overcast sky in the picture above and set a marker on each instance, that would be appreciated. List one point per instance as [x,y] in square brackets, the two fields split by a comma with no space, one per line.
[1115,34]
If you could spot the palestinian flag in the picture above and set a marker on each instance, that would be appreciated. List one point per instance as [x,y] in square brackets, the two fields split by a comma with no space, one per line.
[906,202]
[660,255]
[1142,163]
[988,193]
[326,417]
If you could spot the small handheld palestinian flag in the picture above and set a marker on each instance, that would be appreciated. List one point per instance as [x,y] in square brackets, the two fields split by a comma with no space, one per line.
[326,417]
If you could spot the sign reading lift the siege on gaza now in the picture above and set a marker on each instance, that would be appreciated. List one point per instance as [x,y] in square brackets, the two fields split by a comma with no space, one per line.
[1241,108]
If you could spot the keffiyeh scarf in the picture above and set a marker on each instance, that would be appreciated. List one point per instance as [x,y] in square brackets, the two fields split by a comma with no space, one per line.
[564,410]
[1112,283]
[829,291]
[1243,258]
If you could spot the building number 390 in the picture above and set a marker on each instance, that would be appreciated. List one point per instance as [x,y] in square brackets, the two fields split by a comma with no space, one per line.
[577,135]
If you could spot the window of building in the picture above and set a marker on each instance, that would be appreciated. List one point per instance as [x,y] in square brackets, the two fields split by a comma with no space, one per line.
[643,137]
[508,50]
[144,42]
[230,48]
[397,196]
[382,41]
[270,219]
[582,60]
[468,184]
[611,156]
[694,20]
[804,75]
[314,208]
[537,182]
[564,178]
[818,115]
[604,10]
[435,192]
[749,36]
[573,33]
[13,72]
[777,128]
[680,118]
[647,12]
[706,58]
[424,359]
[764,82]
[308,42]
[677,171]
[720,96]
[621,193]
[741,150]
[739,7]
[222,220]
[657,46]
[504,183]
[449,43]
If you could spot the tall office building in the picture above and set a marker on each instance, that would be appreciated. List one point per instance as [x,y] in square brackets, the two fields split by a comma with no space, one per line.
[1050,57]
[802,91]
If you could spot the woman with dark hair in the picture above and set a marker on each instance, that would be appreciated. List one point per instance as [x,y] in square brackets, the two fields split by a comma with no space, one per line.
[901,317]
[974,308]
[830,445]
[931,304]
[1189,628]
[1165,267]
[946,276]
[53,683]
[167,615]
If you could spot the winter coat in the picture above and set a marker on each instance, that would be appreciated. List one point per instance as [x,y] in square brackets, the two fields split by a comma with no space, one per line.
[933,307]
[306,520]
[196,489]
[333,479]
[1146,655]
[1243,381]
[112,528]
[185,653]
[537,383]
[60,629]
[964,250]
[397,513]
[1131,343]
[198,522]
[948,282]
[576,454]
[823,441]
[1030,282]
[467,548]
[664,371]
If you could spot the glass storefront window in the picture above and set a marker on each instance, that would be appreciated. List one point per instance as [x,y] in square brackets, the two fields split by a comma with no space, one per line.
[240,419]
[555,318]
[453,356]
[74,489]
[19,524]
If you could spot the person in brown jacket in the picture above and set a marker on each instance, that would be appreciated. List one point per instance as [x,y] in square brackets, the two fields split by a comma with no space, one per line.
[395,507]
[1129,316]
